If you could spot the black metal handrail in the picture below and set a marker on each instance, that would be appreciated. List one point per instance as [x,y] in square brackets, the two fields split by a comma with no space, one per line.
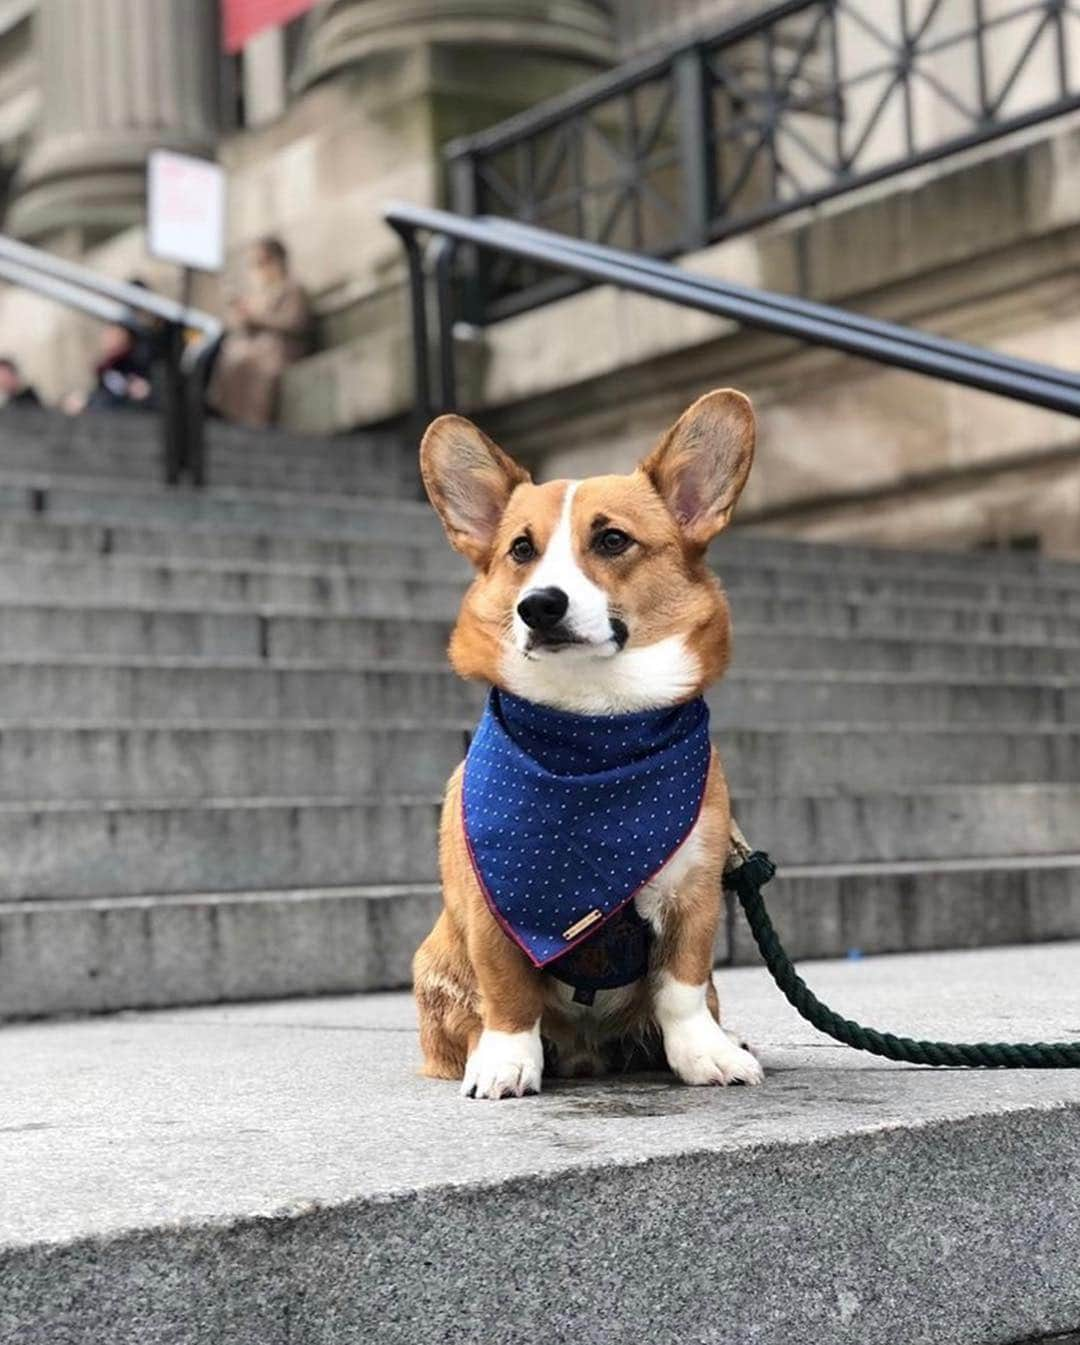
[184,363]
[773,113]
[885,343]
[796,306]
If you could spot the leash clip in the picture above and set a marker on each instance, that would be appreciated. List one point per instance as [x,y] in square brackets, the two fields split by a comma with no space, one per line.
[746,868]
[752,874]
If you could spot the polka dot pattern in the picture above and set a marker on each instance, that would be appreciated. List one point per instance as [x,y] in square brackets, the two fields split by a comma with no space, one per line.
[566,814]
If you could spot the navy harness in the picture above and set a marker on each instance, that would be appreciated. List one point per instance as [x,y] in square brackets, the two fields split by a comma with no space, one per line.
[567,816]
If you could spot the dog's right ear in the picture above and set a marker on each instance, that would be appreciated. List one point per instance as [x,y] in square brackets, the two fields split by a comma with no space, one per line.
[469,480]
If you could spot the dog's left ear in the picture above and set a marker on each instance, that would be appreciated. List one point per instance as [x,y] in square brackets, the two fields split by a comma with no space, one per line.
[701,464]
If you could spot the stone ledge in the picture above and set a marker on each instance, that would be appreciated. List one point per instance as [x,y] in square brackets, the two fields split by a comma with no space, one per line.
[277,1173]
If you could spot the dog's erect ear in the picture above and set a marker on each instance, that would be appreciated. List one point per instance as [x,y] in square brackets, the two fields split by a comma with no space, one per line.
[701,464]
[469,480]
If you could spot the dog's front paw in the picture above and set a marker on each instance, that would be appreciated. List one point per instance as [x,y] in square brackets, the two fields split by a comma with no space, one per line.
[504,1064]
[701,1052]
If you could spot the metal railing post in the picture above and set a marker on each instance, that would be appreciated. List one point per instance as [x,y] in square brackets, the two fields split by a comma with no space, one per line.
[173,404]
[418,322]
[462,174]
[465,200]
[195,428]
[694,105]
[442,251]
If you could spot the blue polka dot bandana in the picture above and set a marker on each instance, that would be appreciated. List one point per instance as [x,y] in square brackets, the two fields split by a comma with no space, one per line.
[568,815]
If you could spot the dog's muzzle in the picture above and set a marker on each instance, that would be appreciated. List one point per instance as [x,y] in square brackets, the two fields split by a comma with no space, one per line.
[544,613]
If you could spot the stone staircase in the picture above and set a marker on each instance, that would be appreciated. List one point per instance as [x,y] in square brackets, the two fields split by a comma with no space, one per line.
[227,719]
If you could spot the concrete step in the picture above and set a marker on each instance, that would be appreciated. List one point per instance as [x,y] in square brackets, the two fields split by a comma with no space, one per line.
[91,464]
[914,616]
[95,956]
[774,548]
[115,501]
[749,694]
[28,577]
[819,648]
[107,849]
[123,849]
[191,689]
[249,760]
[127,448]
[809,581]
[278,1172]
[174,530]
[118,502]
[375,463]
[55,630]
[758,565]
[830,910]
[253,759]
[151,581]
[807,759]
[924,825]
[91,688]
[160,538]
[119,631]
[751,582]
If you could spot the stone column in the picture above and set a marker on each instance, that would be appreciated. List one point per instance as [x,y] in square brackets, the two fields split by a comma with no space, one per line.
[264,77]
[119,78]
[345,32]
[377,88]
[644,25]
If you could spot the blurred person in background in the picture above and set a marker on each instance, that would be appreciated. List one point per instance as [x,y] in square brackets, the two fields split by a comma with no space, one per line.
[269,327]
[123,371]
[13,387]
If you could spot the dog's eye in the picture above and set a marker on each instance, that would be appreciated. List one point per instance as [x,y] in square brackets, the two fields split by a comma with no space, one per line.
[522,549]
[612,542]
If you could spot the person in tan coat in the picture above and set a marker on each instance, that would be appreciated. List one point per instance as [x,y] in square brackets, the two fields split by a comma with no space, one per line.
[269,328]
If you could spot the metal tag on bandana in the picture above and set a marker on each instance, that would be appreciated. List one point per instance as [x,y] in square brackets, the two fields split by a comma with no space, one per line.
[567,816]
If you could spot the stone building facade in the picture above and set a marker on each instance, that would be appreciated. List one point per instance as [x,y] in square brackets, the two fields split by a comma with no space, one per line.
[322,120]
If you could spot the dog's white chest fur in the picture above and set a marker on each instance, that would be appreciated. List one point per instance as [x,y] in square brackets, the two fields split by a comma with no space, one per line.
[652,900]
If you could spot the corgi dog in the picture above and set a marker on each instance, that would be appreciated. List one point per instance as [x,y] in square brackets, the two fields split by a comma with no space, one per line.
[584,839]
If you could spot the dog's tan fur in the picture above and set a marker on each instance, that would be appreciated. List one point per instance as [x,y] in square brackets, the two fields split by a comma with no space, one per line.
[469,977]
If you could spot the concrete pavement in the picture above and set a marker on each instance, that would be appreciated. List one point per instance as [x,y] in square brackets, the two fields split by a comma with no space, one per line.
[277,1173]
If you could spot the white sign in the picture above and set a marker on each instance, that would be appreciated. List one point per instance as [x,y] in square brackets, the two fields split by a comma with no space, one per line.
[186,209]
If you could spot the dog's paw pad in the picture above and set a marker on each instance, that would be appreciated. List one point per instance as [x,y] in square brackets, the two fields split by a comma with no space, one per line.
[702,1053]
[504,1064]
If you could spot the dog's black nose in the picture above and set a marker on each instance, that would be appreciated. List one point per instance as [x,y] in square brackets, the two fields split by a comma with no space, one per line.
[543,608]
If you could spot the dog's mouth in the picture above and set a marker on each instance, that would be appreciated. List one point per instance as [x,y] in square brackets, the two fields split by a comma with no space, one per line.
[553,643]
[560,639]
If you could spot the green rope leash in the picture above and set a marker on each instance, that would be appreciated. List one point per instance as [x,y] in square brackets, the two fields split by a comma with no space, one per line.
[750,877]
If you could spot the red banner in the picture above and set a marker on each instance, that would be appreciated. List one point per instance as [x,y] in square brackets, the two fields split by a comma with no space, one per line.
[242,19]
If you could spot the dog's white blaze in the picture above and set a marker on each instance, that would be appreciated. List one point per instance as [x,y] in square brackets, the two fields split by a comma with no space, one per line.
[697,1047]
[587,616]
[505,1064]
